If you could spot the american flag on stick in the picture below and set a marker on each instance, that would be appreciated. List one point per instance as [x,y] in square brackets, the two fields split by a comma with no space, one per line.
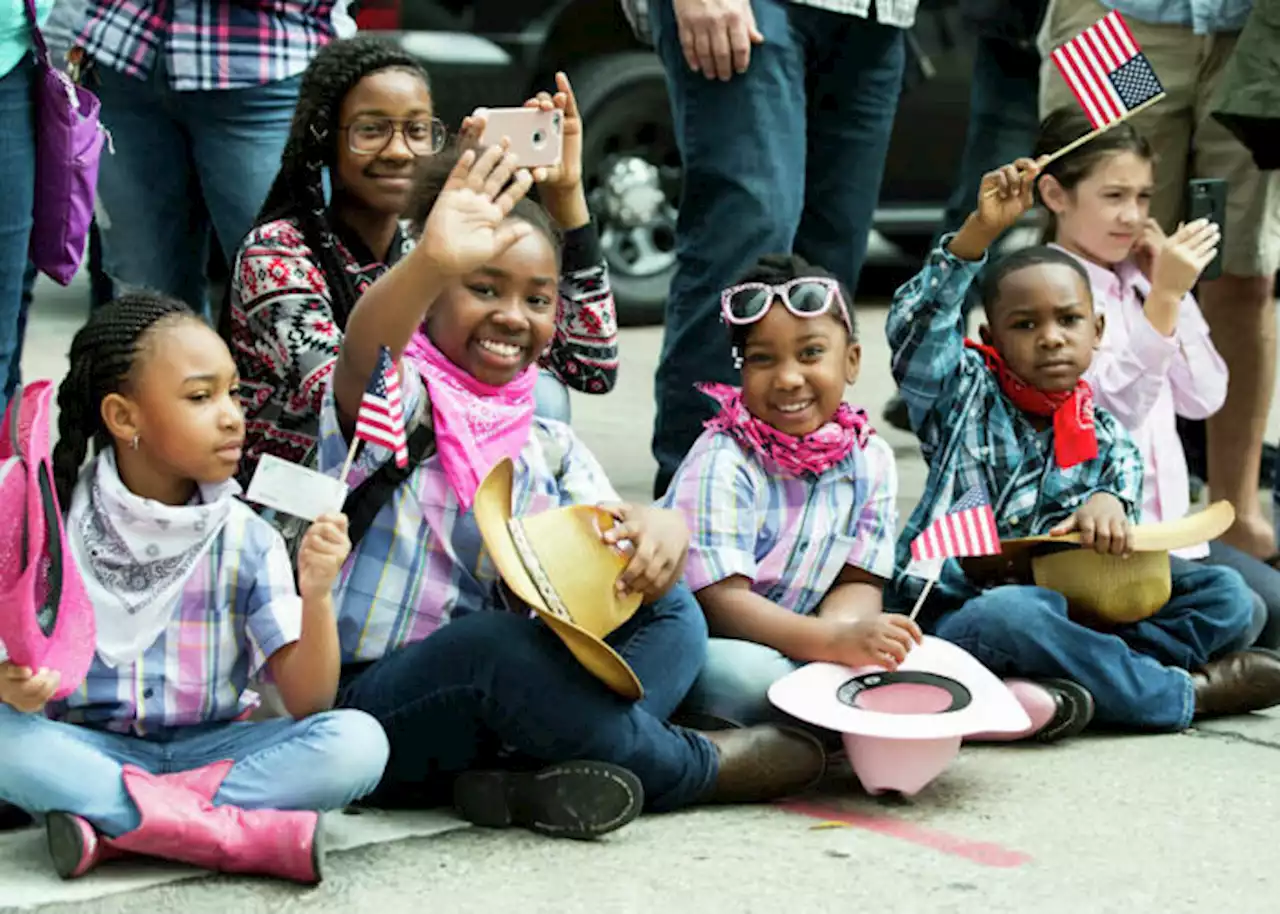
[381,417]
[1107,71]
[969,528]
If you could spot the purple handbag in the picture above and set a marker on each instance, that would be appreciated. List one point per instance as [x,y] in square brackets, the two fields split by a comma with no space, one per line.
[69,142]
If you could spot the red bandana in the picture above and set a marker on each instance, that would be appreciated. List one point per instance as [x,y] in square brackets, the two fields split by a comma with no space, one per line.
[1074,438]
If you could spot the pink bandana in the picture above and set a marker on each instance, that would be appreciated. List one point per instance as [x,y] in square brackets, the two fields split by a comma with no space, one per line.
[476,424]
[815,453]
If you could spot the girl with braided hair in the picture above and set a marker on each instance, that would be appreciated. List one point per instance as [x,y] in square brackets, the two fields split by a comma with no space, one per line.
[193,594]
[365,120]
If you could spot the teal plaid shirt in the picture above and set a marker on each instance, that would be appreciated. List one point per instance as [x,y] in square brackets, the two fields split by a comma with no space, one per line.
[971,433]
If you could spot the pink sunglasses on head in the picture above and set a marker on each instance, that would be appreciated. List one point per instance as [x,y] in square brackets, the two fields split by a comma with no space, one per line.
[804,296]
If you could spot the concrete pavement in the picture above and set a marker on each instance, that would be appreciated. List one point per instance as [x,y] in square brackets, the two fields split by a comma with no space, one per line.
[1176,823]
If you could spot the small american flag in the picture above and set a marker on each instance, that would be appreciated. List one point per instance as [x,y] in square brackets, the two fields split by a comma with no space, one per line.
[1107,71]
[969,528]
[381,417]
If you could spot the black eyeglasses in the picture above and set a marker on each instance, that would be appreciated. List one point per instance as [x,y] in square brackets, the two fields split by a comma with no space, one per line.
[368,136]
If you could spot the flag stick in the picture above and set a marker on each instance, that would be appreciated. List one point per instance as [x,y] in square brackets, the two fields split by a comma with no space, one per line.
[351,456]
[1080,141]
[923,595]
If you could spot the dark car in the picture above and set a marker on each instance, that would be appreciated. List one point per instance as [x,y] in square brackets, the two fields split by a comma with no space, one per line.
[496,53]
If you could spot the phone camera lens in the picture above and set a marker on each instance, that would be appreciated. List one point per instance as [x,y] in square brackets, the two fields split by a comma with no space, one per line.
[538,138]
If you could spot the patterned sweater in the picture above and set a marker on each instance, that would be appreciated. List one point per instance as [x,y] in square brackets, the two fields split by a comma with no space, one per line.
[285,340]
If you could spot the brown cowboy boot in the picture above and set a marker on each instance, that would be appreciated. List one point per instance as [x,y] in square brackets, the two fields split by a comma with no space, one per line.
[1239,683]
[764,763]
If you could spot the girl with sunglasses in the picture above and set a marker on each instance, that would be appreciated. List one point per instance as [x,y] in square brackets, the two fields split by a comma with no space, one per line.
[790,498]
[364,126]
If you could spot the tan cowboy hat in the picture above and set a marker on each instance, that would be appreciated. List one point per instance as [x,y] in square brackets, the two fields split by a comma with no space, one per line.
[556,562]
[1108,590]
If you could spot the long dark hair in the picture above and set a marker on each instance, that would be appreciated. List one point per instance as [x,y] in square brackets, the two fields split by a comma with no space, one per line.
[103,354]
[298,190]
[1066,125]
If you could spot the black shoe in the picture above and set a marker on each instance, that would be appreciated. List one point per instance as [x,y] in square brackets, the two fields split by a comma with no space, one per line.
[581,800]
[1075,710]
[895,413]
[13,818]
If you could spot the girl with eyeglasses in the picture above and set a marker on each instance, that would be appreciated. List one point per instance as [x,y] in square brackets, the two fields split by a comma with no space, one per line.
[364,126]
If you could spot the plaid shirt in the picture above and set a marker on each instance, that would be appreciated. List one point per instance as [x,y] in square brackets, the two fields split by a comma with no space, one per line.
[208,44]
[970,432]
[422,560]
[239,606]
[1203,17]
[790,537]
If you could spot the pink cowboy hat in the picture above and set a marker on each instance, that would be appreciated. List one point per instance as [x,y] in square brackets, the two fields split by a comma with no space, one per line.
[46,620]
[902,728]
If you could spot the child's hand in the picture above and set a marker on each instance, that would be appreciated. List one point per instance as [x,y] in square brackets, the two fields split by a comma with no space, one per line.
[1102,524]
[1006,193]
[567,176]
[1145,248]
[323,550]
[467,226]
[882,640]
[1177,261]
[26,691]
[660,540]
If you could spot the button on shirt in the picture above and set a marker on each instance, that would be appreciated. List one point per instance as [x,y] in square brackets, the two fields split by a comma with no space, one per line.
[1147,380]
[791,537]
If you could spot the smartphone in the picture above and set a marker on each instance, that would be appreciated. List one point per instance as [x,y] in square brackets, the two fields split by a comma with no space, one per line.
[1207,199]
[537,136]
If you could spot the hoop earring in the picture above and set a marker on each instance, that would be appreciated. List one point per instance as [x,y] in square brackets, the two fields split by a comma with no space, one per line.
[133,443]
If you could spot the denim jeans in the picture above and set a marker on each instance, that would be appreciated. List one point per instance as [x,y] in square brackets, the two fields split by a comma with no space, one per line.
[322,762]
[1138,674]
[183,162]
[787,156]
[734,682]
[1264,581]
[497,688]
[18,165]
[551,398]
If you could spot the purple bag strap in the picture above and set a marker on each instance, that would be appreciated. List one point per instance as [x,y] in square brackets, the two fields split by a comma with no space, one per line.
[42,52]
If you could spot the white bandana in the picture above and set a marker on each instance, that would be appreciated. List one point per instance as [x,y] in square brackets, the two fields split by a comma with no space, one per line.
[135,554]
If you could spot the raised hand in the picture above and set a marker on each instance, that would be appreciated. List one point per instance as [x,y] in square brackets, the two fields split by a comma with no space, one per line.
[1007,193]
[467,227]
[1178,261]
[567,176]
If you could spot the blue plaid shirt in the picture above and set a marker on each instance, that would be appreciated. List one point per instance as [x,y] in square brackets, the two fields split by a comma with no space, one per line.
[1204,17]
[971,433]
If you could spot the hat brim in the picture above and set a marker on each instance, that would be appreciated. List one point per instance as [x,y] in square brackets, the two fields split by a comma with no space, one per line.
[493,512]
[1166,536]
[811,694]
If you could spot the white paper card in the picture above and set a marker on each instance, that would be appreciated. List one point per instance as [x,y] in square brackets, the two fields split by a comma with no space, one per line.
[925,568]
[296,490]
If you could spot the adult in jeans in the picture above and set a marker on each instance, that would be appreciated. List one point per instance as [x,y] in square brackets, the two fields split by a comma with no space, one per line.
[1189,47]
[198,97]
[1003,113]
[782,112]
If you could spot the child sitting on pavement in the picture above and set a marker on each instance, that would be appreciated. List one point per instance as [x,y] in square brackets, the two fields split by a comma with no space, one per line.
[1015,416]
[1157,361]
[790,497]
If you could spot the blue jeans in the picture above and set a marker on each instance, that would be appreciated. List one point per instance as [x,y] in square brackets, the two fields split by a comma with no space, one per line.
[551,398]
[322,762]
[734,682]
[496,688]
[1264,581]
[787,156]
[184,161]
[1138,674]
[18,165]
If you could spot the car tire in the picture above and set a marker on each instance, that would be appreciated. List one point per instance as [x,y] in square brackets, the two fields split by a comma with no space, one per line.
[624,105]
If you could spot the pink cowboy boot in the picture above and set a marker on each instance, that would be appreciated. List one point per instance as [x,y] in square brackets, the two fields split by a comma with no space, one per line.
[180,823]
[1058,709]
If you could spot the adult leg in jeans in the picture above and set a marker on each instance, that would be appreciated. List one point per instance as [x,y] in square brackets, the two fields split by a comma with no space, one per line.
[855,74]
[154,229]
[551,398]
[18,165]
[742,143]
[1025,631]
[237,138]
[1263,580]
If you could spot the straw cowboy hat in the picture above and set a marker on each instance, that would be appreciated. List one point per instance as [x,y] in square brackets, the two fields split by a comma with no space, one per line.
[556,562]
[902,728]
[1108,590]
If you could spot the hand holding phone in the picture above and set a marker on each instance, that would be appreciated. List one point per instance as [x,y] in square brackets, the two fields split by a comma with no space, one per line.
[536,135]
